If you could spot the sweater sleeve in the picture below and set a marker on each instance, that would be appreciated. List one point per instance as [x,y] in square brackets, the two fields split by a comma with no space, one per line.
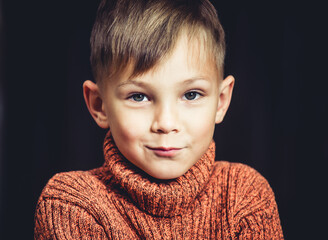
[67,209]
[254,212]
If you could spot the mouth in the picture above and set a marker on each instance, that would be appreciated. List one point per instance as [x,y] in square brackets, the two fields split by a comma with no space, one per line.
[165,151]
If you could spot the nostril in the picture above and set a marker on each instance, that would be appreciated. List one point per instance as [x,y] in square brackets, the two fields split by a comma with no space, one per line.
[163,127]
[164,130]
[160,131]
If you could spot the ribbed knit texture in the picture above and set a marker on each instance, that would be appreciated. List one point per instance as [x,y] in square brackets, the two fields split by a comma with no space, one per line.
[213,200]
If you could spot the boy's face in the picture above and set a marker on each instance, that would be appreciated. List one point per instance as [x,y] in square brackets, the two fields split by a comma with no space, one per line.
[163,121]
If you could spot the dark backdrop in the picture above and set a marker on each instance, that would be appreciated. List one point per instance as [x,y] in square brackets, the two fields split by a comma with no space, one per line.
[276,122]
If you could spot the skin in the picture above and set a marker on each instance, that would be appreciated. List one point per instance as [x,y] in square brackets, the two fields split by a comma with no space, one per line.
[163,120]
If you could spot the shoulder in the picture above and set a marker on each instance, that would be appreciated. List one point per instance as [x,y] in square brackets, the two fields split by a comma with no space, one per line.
[81,181]
[239,175]
[251,208]
[71,206]
[244,186]
[246,191]
[77,187]
[234,167]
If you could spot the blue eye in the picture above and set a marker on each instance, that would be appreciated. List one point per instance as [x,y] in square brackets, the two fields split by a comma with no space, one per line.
[139,97]
[191,95]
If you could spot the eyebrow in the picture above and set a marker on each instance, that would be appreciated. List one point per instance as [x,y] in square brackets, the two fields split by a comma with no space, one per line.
[191,80]
[132,82]
[143,84]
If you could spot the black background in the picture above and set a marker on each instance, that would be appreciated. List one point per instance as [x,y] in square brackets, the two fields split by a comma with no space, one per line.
[276,122]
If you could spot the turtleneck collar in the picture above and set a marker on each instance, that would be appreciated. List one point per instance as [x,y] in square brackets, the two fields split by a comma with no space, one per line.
[163,198]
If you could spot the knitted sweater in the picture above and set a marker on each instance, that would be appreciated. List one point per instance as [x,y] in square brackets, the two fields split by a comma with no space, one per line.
[212,200]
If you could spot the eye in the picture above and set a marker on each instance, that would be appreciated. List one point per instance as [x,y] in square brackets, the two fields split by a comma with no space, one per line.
[192,95]
[138,97]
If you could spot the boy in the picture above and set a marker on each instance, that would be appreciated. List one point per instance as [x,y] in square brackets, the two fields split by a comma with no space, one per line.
[158,66]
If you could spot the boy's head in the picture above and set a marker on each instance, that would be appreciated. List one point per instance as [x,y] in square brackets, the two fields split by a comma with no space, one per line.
[158,66]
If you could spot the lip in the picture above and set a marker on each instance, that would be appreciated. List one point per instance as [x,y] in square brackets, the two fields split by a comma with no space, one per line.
[165,151]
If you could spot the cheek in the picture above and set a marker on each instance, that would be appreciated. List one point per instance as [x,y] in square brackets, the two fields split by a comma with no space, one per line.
[203,118]
[201,125]
[128,126]
[205,130]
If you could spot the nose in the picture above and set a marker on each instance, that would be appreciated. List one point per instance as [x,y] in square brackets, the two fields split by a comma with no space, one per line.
[165,119]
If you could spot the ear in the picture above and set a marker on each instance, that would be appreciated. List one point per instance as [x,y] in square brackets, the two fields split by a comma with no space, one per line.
[95,103]
[225,92]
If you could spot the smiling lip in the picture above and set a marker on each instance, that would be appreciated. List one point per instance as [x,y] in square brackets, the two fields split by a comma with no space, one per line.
[165,152]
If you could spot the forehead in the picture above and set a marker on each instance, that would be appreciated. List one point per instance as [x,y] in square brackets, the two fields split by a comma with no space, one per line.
[188,55]
[197,53]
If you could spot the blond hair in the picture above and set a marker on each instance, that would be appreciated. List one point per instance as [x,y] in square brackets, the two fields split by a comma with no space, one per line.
[143,32]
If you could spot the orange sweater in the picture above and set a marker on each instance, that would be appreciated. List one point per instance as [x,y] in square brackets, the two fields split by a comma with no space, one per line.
[213,200]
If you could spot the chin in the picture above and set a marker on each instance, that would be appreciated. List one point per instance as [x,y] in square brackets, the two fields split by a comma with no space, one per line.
[167,174]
